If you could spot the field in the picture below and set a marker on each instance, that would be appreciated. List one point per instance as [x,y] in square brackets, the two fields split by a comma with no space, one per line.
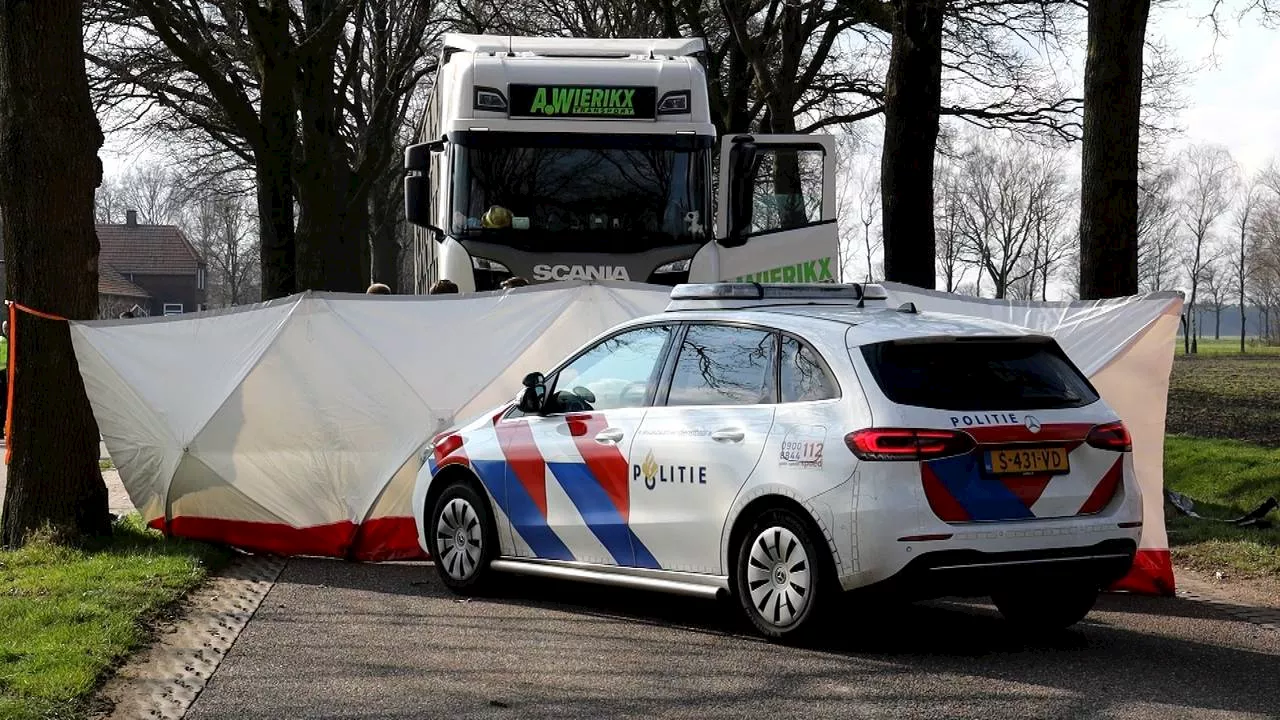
[69,615]
[1219,393]
[1224,452]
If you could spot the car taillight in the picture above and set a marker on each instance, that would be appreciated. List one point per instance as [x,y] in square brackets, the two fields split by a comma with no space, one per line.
[1112,436]
[907,443]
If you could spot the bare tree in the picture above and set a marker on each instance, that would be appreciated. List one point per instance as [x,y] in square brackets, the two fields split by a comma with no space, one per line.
[109,203]
[1239,264]
[1216,286]
[868,208]
[1010,200]
[221,227]
[49,139]
[1158,227]
[1263,257]
[1208,181]
[952,261]
[156,192]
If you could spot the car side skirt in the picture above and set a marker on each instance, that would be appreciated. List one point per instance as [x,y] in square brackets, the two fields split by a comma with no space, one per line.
[667,581]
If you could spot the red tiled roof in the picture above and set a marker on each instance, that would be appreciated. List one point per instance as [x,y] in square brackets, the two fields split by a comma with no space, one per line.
[147,250]
[111,282]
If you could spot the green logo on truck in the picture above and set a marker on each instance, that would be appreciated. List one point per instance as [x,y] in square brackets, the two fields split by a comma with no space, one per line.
[583,101]
[802,272]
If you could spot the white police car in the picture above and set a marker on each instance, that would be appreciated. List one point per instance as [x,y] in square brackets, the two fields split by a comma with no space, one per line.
[784,443]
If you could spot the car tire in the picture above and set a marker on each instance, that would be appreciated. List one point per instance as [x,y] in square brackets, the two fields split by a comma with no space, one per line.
[1045,608]
[783,577]
[462,538]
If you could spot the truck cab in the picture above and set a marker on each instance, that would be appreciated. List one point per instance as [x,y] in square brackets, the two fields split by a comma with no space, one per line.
[582,159]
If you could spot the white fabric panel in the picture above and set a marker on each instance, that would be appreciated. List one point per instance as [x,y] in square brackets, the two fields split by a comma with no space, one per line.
[318,421]
[1091,332]
[139,442]
[589,311]
[464,339]
[1136,386]
[184,369]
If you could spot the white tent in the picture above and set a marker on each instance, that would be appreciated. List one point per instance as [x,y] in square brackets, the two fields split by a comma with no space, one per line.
[298,426]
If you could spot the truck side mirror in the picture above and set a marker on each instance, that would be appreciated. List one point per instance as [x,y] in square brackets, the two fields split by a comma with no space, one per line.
[417,185]
[742,171]
[534,395]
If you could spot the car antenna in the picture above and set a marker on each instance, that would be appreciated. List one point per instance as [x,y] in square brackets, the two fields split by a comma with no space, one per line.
[908,307]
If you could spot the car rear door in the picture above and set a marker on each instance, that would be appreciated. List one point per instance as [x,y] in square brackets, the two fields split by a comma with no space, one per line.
[700,442]
[776,212]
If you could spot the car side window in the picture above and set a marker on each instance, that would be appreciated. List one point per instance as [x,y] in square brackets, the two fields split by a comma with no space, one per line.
[724,365]
[804,376]
[617,373]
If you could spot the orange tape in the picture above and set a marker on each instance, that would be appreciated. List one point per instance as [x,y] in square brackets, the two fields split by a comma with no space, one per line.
[13,354]
[8,408]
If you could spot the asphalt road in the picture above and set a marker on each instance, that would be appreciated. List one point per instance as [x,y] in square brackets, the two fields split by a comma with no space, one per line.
[334,639]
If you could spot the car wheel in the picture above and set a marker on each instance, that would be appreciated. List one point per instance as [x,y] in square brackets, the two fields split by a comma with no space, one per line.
[1045,608]
[781,576]
[464,538]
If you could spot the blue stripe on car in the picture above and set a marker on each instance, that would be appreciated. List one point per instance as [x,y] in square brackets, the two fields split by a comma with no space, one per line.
[525,516]
[983,497]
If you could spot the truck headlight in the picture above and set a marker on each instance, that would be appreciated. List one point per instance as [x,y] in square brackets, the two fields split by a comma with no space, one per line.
[480,263]
[676,266]
[674,103]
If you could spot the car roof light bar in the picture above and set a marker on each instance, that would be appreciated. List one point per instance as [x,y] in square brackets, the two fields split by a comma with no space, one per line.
[785,291]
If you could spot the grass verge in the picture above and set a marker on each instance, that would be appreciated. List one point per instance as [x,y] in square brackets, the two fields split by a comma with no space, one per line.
[69,615]
[1226,478]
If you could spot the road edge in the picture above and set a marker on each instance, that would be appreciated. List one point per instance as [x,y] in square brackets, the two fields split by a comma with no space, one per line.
[164,680]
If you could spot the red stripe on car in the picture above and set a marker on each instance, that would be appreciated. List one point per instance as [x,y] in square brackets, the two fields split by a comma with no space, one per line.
[605,462]
[1049,432]
[525,460]
[1105,490]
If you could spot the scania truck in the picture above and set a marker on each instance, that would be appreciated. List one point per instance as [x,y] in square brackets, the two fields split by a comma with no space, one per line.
[569,158]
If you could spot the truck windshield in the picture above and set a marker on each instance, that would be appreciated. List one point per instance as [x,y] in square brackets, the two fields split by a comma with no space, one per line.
[579,192]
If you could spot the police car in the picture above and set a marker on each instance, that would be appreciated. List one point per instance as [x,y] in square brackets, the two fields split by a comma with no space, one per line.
[781,444]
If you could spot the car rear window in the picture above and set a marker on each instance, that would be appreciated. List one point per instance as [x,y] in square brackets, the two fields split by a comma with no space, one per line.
[978,374]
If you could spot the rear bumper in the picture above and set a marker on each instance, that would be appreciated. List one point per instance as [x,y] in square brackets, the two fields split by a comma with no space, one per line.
[973,572]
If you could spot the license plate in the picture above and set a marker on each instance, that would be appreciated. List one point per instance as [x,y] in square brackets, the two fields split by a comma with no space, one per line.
[1030,460]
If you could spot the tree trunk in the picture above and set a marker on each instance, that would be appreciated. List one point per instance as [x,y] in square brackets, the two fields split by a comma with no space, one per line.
[1217,321]
[274,160]
[1242,326]
[49,139]
[1240,277]
[331,223]
[1109,175]
[384,208]
[913,91]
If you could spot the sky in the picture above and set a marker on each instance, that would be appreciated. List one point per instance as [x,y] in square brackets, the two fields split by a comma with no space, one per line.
[1233,99]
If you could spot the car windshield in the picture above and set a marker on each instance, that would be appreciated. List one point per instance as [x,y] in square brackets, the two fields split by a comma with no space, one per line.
[978,375]
[580,192]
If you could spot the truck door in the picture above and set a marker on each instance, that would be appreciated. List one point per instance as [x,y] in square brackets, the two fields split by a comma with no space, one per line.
[775,212]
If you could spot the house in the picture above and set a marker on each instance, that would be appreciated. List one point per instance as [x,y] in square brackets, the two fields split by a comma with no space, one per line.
[157,260]
[117,295]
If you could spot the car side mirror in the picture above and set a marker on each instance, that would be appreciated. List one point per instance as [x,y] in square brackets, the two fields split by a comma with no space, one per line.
[417,186]
[535,393]
[742,171]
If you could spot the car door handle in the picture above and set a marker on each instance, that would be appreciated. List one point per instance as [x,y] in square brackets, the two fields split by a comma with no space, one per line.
[609,436]
[728,435]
